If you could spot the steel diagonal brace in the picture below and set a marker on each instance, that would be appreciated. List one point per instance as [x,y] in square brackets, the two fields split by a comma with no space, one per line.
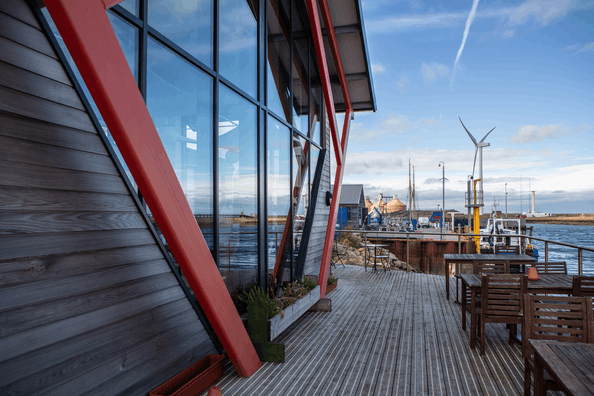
[87,32]
[339,149]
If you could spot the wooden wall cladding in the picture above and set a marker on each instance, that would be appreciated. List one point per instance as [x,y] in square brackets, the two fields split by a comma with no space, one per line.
[88,301]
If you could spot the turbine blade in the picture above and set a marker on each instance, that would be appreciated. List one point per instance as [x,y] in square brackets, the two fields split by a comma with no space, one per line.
[469,134]
[483,139]
[474,162]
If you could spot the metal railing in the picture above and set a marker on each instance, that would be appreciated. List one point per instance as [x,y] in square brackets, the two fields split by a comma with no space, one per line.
[580,249]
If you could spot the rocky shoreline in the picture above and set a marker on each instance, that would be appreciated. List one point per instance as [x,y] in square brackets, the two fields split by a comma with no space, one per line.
[356,256]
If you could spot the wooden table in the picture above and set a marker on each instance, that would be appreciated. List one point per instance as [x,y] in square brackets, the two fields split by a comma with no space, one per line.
[571,364]
[473,259]
[548,284]
[375,246]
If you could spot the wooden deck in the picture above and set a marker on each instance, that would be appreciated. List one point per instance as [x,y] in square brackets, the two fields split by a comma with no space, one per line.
[388,333]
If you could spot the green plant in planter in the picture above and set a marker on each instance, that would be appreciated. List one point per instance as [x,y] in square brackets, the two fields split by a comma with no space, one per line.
[260,309]
[331,280]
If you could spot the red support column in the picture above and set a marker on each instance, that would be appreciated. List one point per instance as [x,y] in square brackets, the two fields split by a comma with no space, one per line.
[88,34]
[339,149]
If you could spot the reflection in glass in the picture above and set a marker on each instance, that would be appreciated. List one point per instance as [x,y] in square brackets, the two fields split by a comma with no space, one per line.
[278,59]
[179,99]
[316,113]
[300,74]
[132,61]
[238,220]
[188,23]
[128,37]
[132,6]
[238,39]
[279,186]
[300,183]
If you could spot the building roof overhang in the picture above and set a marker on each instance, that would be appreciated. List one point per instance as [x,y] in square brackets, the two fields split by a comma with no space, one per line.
[347,17]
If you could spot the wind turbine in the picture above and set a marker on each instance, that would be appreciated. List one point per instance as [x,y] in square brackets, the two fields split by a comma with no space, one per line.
[478,146]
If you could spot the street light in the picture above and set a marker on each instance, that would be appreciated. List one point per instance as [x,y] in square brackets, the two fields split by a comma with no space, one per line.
[442,165]
[506,200]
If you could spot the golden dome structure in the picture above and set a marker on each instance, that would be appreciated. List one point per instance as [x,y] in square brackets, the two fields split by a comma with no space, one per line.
[368,204]
[395,205]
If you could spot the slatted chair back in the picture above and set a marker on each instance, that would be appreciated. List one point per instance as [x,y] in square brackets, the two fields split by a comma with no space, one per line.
[551,267]
[502,298]
[491,268]
[506,249]
[583,286]
[554,318]
[557,318]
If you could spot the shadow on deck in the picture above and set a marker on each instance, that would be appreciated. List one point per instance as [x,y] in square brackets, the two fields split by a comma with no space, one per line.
[388,333]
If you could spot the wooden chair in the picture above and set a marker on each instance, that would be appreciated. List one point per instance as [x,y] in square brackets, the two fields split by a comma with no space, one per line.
[505,249]
[559,318]
[583,286]
[336,256]
[501,301]
[481,268]
[375,255]
[551,267]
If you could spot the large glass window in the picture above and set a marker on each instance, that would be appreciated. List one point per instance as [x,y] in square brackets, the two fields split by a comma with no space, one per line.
[180,100]
[238,195]
[279,186]
[238,43]
[131,6]
[279,58]
[300,74]
[188,23]
[128,38]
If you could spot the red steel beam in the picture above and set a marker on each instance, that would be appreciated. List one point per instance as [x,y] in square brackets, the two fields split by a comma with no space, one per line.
[331,34]
[323,66]
[329,241]
[87,32]
[314,18]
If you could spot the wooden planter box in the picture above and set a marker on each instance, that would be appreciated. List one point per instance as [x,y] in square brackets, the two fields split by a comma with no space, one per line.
[331,287]
[195,379]
[278,324]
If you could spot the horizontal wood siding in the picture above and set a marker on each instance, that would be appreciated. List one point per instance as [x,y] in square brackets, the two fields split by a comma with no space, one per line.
[88,302]
[317,237]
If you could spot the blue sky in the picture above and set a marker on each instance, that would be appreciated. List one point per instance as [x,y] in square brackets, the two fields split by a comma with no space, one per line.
[527,68]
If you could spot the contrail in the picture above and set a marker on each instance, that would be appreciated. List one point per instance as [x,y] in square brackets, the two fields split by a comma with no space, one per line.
[466,30]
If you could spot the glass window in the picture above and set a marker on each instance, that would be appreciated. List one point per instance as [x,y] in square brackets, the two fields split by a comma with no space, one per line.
[179,99]
[132,58]
[279,188]
[128,38]
[300,174]
[238,48]
[316,113]
[300,74]
[188,23]
[238,195]
[278,60]
[132,6]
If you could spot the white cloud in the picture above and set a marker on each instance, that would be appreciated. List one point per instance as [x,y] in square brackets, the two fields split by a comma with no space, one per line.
[389,126]
[433,72]
[535,133]
[402,84]
[377,68]
[542,10]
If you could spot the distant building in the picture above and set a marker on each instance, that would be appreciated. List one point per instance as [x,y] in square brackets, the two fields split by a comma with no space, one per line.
[352,199]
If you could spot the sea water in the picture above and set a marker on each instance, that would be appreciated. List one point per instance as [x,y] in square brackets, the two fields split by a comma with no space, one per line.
[578,235]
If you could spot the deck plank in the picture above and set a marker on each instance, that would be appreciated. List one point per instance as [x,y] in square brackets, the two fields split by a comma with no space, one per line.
[389,333]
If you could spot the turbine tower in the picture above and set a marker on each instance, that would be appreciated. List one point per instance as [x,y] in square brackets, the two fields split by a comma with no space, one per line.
[477,146]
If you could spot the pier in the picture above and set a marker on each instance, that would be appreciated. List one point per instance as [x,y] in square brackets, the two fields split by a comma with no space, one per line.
[389,333]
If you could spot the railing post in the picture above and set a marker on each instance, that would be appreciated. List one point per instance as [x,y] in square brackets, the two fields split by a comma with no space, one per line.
[546,251]
[459,244]
[580,261]
[407,251]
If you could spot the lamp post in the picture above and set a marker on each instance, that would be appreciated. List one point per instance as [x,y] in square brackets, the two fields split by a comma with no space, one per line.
[442,166]
[506,200]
